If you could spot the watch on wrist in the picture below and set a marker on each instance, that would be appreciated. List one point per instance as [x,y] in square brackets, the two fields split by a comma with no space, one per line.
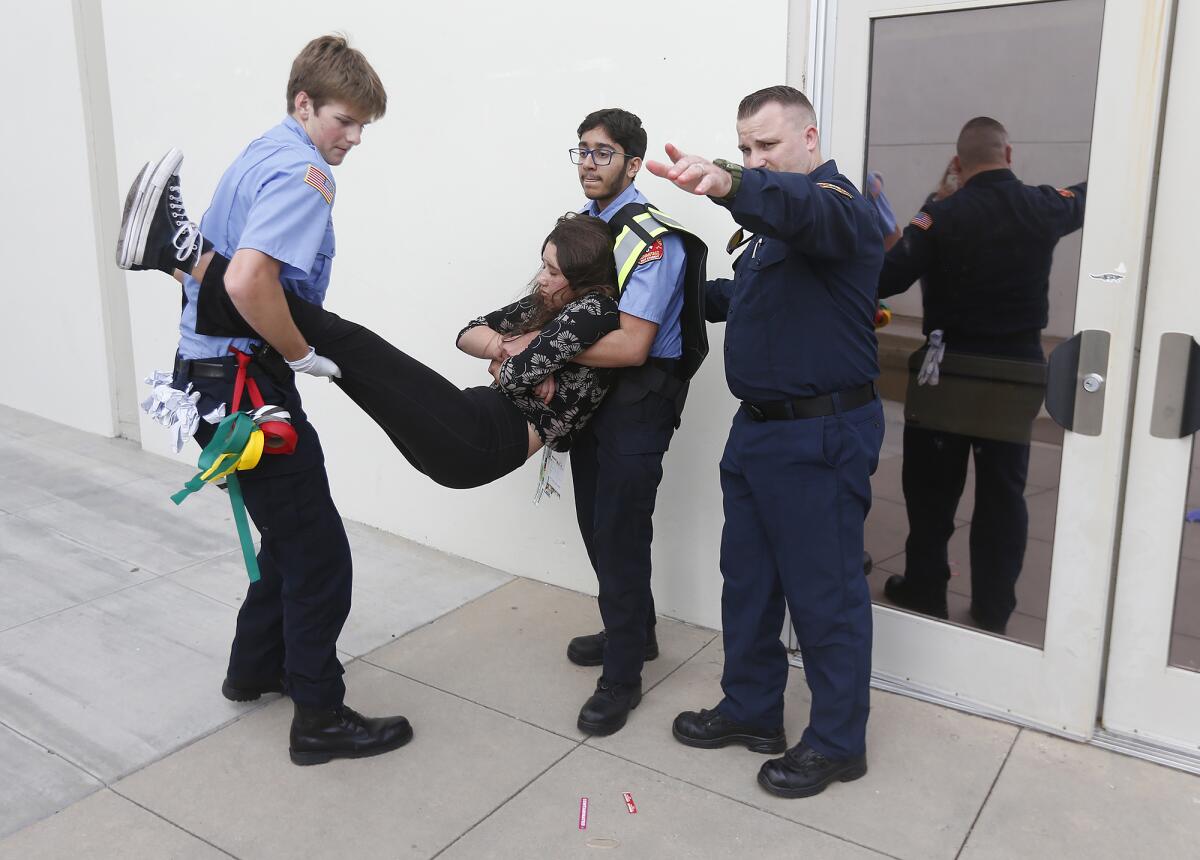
[735,174]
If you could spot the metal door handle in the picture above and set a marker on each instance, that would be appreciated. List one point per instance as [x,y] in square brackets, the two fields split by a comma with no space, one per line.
[1176,410]
[1075,382]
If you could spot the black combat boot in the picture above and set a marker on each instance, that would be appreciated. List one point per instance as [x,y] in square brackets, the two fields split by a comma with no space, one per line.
[322,734]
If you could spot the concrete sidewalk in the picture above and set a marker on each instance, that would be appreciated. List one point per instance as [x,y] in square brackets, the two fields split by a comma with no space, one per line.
[115,741]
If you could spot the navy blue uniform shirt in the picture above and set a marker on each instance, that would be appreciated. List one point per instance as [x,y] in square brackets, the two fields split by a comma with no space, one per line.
[800,309]
[985,253]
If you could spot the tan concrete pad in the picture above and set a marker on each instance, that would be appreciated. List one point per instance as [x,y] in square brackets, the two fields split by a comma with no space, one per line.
[237,788]
[35,783]
[105,826]
[138,522]
[1066,800]
[43,572]
[122,680]
[673,819]
[508,650]
[930,768]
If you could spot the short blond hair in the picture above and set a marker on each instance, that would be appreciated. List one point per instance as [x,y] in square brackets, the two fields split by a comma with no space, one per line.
[328,69]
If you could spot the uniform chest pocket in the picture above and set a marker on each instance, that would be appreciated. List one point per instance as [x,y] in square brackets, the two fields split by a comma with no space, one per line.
[767,253]
[320,269]
[328,246]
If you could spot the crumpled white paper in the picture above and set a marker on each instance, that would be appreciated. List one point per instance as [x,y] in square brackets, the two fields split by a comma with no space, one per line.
[552,476]
[175,409]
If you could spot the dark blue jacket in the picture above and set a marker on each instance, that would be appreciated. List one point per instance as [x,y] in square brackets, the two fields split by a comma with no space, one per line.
[801,305]
[984,254]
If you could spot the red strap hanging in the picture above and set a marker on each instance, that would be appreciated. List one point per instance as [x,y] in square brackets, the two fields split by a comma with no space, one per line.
[279,436]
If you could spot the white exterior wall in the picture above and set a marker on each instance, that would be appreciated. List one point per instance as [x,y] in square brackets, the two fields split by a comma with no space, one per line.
[439,217]
[54,350]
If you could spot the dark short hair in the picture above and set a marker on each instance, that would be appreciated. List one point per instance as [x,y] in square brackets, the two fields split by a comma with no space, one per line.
[329,70]
[981,141]
[782,94]
[622,126]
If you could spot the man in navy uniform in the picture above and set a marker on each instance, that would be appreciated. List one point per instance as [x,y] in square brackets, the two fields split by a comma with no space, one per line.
[800,353]
[271,214]
[984,254]
[616,461]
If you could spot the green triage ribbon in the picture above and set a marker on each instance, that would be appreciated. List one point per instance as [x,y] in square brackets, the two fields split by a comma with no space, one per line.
[220,459]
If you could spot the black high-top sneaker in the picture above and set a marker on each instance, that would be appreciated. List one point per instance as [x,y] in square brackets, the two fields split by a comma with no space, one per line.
[156,232]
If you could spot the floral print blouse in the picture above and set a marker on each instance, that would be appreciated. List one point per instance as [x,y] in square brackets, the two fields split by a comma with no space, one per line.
[579,389]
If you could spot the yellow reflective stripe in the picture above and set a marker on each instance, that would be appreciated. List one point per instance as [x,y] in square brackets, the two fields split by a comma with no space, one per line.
[626,250]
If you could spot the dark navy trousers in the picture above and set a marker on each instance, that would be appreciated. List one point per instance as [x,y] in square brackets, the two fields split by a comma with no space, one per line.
[796,495]
[934,474]
[616,467]
[291,618]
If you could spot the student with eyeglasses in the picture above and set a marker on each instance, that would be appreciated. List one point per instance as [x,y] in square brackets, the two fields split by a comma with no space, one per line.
[616,461]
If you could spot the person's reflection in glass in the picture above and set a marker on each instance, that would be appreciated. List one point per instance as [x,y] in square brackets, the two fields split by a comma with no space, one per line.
[983,253]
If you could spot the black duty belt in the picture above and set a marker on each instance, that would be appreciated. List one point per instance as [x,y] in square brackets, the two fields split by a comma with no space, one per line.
[215,368]
[811,407]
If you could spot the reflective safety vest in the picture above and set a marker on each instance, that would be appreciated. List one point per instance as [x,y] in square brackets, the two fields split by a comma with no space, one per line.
[635,227]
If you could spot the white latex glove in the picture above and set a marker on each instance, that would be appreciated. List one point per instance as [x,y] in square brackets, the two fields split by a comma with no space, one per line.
[316,365]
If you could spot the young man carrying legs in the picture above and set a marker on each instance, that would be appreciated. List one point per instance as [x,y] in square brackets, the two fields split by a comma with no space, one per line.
[271,215]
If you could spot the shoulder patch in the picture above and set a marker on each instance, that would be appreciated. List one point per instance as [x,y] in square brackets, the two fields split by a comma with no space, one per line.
[829,186]
[321,182]
[654,252]
[1065,192]
[922,220]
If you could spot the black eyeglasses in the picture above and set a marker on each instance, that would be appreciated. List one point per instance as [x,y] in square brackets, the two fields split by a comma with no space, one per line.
[600,157]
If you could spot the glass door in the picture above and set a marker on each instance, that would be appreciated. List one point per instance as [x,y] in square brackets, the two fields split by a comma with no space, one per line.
[1152,694]
[1023,460]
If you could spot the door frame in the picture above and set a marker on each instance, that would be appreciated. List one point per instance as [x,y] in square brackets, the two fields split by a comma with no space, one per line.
[1149,707]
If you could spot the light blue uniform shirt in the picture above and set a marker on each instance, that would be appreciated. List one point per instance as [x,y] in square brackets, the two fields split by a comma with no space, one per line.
[654,290]
[277,198]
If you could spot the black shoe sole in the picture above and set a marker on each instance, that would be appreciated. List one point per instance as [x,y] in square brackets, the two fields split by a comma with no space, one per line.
[913,604]
[750,742]
[307,758]
[604,729]
[844,776]
[581,660]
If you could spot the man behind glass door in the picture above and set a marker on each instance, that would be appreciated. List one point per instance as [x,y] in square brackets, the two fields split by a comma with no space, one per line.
[984,253]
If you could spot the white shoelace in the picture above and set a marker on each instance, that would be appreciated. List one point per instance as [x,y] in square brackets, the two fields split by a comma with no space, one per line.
[187,234]
[186,241]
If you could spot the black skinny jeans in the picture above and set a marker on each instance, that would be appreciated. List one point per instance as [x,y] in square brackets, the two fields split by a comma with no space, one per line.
[460,438]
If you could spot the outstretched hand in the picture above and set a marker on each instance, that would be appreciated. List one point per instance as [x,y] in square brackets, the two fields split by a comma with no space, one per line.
[692,173]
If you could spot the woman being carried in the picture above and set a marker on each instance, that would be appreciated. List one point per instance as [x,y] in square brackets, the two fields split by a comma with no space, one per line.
[462,438]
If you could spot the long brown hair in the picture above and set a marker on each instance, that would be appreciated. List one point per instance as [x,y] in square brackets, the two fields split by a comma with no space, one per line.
[585,257]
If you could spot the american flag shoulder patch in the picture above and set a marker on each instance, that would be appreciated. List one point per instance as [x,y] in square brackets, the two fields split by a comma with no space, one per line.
[829,186]
[922,220]
[1066,192]
[319,181]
